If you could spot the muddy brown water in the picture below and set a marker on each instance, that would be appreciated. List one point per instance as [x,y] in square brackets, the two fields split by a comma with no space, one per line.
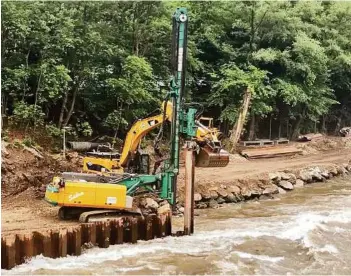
[307,231]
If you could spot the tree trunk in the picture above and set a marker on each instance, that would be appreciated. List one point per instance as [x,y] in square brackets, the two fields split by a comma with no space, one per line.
[252,127]
[70,112]
[26,78]
[36,96]
[270,127]
[63,107]
[323,130]
[120,115]
[297,126]
[338,125]
[296,131]
[238,127]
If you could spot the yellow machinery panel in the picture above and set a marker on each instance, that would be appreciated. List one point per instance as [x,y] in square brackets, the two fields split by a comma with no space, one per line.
[89,194]
[79,193]
[99,163]
[111,196]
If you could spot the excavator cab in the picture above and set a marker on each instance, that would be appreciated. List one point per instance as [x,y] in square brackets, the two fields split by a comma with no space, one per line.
[207,122]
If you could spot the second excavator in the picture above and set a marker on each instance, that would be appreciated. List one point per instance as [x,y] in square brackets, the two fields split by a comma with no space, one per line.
[132,159]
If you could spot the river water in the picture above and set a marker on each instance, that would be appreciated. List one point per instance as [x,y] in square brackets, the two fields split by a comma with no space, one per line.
[307,231]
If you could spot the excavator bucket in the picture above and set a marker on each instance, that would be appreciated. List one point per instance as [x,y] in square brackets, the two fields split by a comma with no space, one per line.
[207,157]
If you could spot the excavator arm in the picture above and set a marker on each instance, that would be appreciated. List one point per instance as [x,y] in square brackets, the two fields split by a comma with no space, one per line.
[210,152]
[140,129]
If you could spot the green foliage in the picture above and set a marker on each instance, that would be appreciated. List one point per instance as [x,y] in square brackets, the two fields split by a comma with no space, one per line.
[25,114]
[53,130]
[17,144]
[28,141]
[114,120]
[84,129]
[96,65]
[231,85]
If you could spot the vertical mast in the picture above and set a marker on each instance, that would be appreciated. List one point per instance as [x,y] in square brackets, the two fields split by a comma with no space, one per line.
[178,59]
[180,20]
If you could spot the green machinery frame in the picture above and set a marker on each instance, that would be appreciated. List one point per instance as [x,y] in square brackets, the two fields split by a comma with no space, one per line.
[183,120]
[182,123]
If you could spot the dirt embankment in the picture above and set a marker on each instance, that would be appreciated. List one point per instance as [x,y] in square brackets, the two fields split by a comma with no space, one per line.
[22,211]
[25,167]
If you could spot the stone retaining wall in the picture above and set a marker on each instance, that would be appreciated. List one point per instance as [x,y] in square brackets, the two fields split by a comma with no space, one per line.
[275,183]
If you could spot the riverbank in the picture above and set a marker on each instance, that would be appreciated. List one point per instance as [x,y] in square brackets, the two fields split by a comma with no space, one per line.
[299,233]
[240,180]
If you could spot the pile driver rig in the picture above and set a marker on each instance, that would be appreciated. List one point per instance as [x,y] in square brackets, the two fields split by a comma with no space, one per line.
[94,194]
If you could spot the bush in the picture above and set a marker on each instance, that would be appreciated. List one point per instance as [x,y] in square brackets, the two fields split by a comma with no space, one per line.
[84,129]
[17,144]
[29,142]
[53,130]
[27,115]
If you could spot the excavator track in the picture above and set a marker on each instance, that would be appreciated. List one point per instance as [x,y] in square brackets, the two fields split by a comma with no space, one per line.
[105,215]
[85,215]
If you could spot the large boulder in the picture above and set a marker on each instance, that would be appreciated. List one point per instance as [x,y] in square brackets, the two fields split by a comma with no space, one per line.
[286,185]
[197,197]
[234,189]
[281,191]
[305,176]
[201,205]
[213,204]
[231,198]
[206,195]
[246,192]
[325,174]
[239,198]
[273,189]
[333,171]
[213,194]
[284,176]
[220,200]
[164,209]
[274,176]
[316,174]
[341,170]
[292,178]
[255,192]
[4,151]
[299,183]
[222,193]
[149,203]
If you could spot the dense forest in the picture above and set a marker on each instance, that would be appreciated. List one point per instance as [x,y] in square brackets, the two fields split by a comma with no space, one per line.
[99,66]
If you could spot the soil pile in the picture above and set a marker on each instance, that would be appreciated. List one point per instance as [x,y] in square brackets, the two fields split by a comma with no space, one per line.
[23,167]
[324,143]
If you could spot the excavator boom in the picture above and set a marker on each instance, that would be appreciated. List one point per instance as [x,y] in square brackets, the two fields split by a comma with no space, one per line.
[210,152]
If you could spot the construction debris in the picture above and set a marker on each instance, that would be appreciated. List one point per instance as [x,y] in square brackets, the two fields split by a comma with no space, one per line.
[346,131]
[309,137]
[270,152]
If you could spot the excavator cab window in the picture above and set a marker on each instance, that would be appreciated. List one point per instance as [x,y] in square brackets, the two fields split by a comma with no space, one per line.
[207,122]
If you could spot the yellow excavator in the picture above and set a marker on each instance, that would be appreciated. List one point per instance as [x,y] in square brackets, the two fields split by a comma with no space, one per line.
[209,154]
[110,182]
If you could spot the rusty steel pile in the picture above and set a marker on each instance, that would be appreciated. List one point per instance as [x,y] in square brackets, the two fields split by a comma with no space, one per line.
[17,249]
